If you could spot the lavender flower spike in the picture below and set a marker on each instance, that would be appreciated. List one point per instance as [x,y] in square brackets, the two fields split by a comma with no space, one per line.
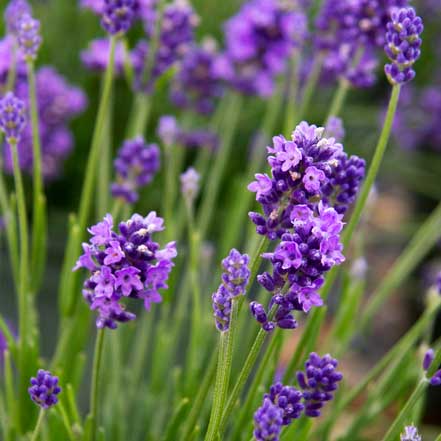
[13,13]
[44,389]
[410,434]
[118,15]
[12,117]
[268,422]
[403,44]
[190,184]
[234,281]
[288,399]
[28,36]
[319,381]
[428,358]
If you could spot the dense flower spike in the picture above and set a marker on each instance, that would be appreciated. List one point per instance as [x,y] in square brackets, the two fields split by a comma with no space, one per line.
[12,117]
[124,264]
[58,103]
[176,36]
[259,40]
[96,56]
[196,85]
[44,389]
[318,382]
[403,44]
[288,399]
[136,165]
[118,15]
[268,422]
[28,36]
[190,184]
[304,170]
[234,281]
[13,13]
[410,434]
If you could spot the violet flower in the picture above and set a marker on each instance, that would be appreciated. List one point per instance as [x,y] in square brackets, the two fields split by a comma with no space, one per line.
[126,263]
[44,389]
[96,56]
[117,16]
[13,13]
[28,36]
[268,421]
[410,434]
[190,184]
[12,117]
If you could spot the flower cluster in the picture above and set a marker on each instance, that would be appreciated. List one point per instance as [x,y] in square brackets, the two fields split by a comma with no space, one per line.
[136,165]
[234,281]
[304,170]
[196,85]
[118,15]
[429,356]
[288,399]
[318,382]
[299,263]
[334,128]
[190,184]
[124,264]
[28,36]
[259,40]
[13,13]
[58,103]
[12,117]
[176,35]
[410,434]
[268,421]
[44,389]
[96,56]
[403,44]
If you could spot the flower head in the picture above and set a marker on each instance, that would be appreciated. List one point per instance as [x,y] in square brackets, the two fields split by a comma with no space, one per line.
[168,129]
[96,56]
[12,117]
[268,421]
[190,184]
[410,434]
[126,263]
[403,44]
[287,398]
[136,165]
[118,15]
[13,13]
[44,389]
[28,36]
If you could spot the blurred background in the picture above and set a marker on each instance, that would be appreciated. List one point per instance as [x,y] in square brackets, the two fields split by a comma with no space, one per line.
[408,189]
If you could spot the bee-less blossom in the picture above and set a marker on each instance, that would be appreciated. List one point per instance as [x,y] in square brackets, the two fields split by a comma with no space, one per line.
[12,117]
[28,36]
[13,12]
[190,184]
[335,128]
[96,56]
[410,434]
[117,16]
[44,389]
[268,421]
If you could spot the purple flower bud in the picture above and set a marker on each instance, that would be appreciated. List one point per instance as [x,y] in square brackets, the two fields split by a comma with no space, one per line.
[410,434]
[12,117]
[118,15]
[428,358]
[28,36]
[44,389]
[335,129]
[96,56]
[268,421]
[190,184]
[13,13]
[168,129]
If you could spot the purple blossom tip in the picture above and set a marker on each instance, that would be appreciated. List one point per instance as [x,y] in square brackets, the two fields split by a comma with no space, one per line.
[12,117]
[13,13]
[118,15]
[268,421]
[28,36]
[428,358]
[44,389]
[190,184]
[410,434]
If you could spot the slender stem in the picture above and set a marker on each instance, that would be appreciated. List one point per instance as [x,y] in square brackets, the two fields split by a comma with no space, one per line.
[405,413]
[139,116]
[65,418]
[94,390]
[310,85]
[338,99]
[222,377]
[38,425]
[373,168]
[12,74]
[438,438]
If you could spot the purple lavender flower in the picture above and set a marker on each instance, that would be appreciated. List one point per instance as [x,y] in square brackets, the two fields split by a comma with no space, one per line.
[118,15]
[234,281]
[136,165]
[288,399]
[176,36]
[44,389]
[428,358]
[403,44]
[6,60]
[96,56]
[12,117]
[335,128]
[318,382]
[13,13]
[28,36]
[410,434]
[259,40]
[268,421]
[96,6]
[168,130]
[304,170]
[436,379]
[196,85]
[3,348]
[190,184]
[124,264]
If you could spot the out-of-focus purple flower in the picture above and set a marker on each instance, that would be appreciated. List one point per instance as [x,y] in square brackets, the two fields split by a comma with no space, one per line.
[319,381]
[117,16]
[13,13]
[287,398]
[28,36]
[403,45]
[190,184]
[259,40]
[126,263]
[58,103]
[136,165]
[268,421]
[196,85]
[3,348]
[6,60]
[176,36]
[96,6]
[168,130]
[12,117]
[410,434]
[428,358]
[96,56]
[234,281]
[335,128]
[44,389]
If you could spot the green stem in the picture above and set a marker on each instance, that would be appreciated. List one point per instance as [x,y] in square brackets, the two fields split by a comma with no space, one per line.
[310,86]
[38,425]
[222,376]
[338,99]
[405,413]
[94,390]
[373,168]
[65,418]
[139,116]
[12,74]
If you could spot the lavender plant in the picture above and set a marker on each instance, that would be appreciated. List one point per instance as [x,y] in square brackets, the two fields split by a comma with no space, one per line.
[186,347]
